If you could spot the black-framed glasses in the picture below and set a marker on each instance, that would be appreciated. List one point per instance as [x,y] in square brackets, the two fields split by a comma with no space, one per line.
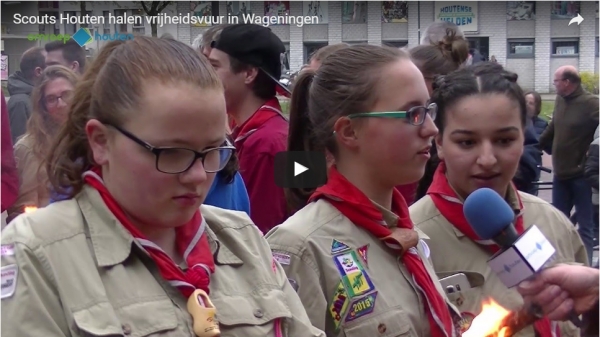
[415,115]
[52,100]
[174,160]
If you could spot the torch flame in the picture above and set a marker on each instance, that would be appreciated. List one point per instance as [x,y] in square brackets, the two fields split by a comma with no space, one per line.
[489,321]
[30,209]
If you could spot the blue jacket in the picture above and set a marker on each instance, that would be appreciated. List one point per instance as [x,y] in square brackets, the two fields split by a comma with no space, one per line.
[233,196]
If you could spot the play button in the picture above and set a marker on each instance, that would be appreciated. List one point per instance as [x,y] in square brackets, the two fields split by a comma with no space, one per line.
[300,169]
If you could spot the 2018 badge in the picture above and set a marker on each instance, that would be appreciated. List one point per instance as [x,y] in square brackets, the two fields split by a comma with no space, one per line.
[361,307]
[338,247]
[465,321]
[362,252]
[339,305]
[354,276]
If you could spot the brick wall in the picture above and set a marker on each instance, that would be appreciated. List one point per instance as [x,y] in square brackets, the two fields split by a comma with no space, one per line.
[542,47]
[587,37]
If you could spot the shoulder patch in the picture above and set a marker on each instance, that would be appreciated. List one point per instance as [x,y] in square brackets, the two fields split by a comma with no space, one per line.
[354,277]
[9,280]
[362,306]
[339,305]
[338,247]
[283,259]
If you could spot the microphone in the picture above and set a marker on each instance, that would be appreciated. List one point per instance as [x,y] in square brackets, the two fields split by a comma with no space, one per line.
[520,257]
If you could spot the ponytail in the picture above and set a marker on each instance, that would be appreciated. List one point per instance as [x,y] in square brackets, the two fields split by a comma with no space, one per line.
[70,154]
[300,135]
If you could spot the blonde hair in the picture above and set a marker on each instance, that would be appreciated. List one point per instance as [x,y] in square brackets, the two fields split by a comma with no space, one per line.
[111,92]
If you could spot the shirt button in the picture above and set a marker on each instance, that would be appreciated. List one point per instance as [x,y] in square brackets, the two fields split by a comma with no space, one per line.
[258,313]
[126,329]
[381,328]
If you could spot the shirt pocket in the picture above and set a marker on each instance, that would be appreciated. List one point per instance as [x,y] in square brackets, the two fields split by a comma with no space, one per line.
[391,323]
[148,318]
[262,314]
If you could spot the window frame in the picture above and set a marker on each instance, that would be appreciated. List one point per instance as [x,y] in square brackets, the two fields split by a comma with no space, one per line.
[571,39]
[510,55]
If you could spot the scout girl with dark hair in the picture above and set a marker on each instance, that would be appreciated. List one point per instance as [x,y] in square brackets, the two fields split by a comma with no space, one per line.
[481,121]
[133,251]
[359,265]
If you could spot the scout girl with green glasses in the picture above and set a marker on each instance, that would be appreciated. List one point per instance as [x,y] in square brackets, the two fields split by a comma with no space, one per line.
[359,265]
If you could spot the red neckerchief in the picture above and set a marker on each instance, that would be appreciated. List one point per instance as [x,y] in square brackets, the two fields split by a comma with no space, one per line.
[451,208]
[270,109]
[359,209]
[191,241]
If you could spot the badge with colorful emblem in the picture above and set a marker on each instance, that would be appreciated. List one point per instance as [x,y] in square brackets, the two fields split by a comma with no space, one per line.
[353,274]
[338,247]
[362,252]
[361,307]
[339,305]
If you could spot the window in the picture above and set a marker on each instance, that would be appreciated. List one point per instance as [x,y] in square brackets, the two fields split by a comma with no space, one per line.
[311,48]
[119,15]
[395,44]
[138,27]
[70,29]
[285,59]
[85,25]
[521,48]
[565,47]
[106,26]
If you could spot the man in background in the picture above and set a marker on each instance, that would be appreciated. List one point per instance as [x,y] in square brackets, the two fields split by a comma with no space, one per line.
[247,59]
[20,86]
[70,55]
[569,134]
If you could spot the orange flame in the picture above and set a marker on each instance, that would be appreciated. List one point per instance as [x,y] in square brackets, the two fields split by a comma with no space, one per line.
[489,321]
[30,209]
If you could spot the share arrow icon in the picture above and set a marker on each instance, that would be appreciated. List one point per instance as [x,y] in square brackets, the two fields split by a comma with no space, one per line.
[578,19]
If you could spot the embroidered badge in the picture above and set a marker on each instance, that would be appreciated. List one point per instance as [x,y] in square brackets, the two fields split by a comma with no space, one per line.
[353,274]
[7,250]
[362,252]
[465,321]
[8,274]
[361,307]
[339,305]
[338,247]
[283,259]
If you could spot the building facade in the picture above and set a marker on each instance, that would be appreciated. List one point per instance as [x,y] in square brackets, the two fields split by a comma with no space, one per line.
[529,38]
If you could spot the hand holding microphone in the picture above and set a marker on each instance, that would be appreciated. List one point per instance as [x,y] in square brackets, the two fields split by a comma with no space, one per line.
[522,255]
[561,289]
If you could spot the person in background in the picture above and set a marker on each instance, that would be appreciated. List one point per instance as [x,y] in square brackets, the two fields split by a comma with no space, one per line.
[591,174]
[20,85]
[318,56]
[133,251]
[569,134]
[8,167]
[51,99]
[69,54]
[247,60]
[481,122]
[359,265]
[560,290]
[228,189]
[534,108]
[446,51]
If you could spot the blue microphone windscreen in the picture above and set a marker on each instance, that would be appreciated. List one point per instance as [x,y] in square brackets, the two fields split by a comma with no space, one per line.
[487,213]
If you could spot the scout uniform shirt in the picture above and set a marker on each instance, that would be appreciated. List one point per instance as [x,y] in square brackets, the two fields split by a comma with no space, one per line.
[350,283]
[453,252]
[71,269]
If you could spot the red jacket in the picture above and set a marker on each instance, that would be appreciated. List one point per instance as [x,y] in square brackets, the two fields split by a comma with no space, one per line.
[10,177]
[257,141]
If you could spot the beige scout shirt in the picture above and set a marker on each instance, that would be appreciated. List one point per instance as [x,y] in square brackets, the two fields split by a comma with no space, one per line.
[71,269]
[350,283]
[452,252]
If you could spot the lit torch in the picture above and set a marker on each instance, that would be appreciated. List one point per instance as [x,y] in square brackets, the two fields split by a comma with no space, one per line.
[30,209]
[495,321]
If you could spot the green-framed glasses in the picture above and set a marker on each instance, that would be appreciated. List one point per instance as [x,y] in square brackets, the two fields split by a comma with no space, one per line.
[415,115]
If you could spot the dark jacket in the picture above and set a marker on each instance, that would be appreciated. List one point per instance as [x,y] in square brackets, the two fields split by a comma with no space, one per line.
[539,124]
[8,168]
[570,132]
[528,171]
[591,167]
[19,104]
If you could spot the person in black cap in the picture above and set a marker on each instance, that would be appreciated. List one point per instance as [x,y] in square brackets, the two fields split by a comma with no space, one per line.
[247,58]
